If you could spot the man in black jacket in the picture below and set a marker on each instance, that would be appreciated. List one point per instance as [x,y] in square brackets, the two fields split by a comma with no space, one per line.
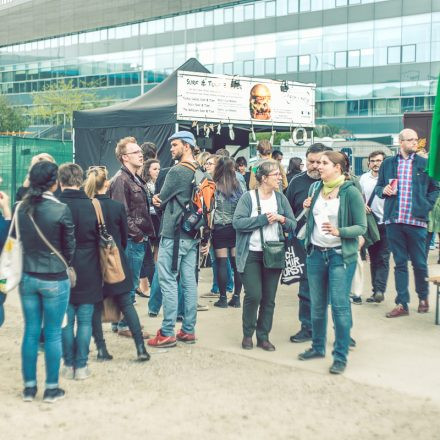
[409,196]
[129,189]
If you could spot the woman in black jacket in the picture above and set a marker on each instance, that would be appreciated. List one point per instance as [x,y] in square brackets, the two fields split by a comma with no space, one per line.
[88,289]
[45,287]
[115,219]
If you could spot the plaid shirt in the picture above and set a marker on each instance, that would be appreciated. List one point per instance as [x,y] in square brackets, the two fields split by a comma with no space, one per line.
[404,192]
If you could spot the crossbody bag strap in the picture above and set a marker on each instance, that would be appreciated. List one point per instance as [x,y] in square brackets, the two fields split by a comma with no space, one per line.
[48,243]
[370,200]
[98,211]
[14,224]
[259,212]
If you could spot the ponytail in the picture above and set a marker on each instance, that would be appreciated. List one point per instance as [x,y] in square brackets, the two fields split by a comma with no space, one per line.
[96,178]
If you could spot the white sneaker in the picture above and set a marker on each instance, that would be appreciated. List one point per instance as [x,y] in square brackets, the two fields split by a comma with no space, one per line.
[68,372]
[82,373]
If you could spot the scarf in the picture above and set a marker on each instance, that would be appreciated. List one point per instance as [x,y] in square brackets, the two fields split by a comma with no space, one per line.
[330,186]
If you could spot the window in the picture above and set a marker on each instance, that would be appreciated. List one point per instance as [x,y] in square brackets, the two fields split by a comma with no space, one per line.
[269,66]
[238,13]
[341,3]
[354,2]
[393,106]
[340,59]
[218,17]
[409,53]
[393,55]
[227,69]
[292,7]
[407,104]
[209,18]
[352,108]
[304,5]
[249,12]
[179,23]
[270,9]
[304,63]
[199,19]
[259,10]
[292,64]
[354,58]
[191,21]
[365,107]
[228,15]
[248,67]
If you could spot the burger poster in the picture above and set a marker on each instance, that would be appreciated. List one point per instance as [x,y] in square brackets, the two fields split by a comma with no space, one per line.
[244,100]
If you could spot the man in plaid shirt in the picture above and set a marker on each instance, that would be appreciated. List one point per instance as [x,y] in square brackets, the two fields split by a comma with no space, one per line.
[409,196]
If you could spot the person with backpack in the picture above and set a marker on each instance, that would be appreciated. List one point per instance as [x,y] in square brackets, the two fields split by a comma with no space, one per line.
[178,246]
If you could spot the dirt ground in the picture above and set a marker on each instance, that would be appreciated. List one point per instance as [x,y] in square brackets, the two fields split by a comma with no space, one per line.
[215,390]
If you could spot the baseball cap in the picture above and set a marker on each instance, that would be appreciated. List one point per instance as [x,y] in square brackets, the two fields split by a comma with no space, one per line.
[185,136]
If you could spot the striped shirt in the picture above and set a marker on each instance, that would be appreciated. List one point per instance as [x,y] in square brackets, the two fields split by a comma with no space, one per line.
[404,192]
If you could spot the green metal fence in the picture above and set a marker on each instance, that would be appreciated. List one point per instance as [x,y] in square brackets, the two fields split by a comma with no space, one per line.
[16,154]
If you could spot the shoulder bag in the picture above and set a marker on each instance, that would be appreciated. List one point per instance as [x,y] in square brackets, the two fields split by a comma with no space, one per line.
[69,269]
[274,252]
[11,258]
[109,257]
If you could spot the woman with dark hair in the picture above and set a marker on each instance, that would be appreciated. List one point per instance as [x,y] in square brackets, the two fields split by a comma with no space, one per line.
[115,217]
[261,212]
[336,220]
[240,167]
[227,194]
[44,287]
[295,167]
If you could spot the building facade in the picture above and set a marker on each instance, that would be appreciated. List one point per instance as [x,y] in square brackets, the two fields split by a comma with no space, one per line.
[372,60]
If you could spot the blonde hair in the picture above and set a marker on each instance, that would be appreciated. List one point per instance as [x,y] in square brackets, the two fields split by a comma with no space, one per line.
[121,146]
[35,159]
[95,181]
[202,157]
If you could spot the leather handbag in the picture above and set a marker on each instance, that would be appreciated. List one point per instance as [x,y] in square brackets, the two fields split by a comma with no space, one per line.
[110,310]
[69,269]
[274,252]
[109,257]
[11,258]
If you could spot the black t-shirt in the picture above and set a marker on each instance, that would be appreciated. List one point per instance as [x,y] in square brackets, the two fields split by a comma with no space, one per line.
[297,192]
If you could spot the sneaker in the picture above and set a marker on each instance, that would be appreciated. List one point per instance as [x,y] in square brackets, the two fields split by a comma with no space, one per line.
[423,306]
[187,338]
[397,312]
[115,327]
[303,335]
[378,297]
[371,299]
[352,343]
[210,295]
[202,308]
[337,367]
[234,301]
[53,394]
[311,353]
[179,318]
[82,373]
[153,314]
[29,394]
[222,303]
[355,299]
[162,341]
[68,372]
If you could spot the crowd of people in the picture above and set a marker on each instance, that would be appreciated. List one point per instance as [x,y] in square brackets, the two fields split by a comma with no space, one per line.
[338,219]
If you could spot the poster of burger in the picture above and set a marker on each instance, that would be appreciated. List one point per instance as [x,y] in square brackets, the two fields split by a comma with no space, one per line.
[244,100]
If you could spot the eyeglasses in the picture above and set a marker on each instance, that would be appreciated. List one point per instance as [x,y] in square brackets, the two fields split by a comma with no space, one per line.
[97,167]
[134,152]
[209,163]
[411,140]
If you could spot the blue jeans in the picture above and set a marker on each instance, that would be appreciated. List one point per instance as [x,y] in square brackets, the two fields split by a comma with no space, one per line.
[135,253]
[186,269]
[147,268]
[155,301]
[408,241]
[330,282]
[42,301]
[76,348]
[230,285]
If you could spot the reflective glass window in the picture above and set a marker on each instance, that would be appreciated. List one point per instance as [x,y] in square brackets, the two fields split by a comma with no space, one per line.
[352,108]
[409,53]
[143,28]
[393,55]
[269,66]
[249,12]
[199,19]
[340,59]
[238,13]
[354,58]
[354,2]
[292,64]
[238,68]
[259,66]
[316,5]
[179,23]
[270,9]
[248,67]
[367,57]
[340,108]
[228,69]
[380,106]
[292,6]
[228,15]
[191,21]
[365,107]
[168,24]
[341,2]
[160,26]
[328,4]
[281,7]
[259,10]
[407,105]
[304,63]
[218,17]
[393,106]
[328,109]
[304,5]
[121,32]
[281,65]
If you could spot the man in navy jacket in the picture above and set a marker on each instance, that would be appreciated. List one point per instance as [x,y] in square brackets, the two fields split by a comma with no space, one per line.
[409,196]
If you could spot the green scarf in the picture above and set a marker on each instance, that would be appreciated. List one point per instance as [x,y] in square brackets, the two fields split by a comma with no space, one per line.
[330,186]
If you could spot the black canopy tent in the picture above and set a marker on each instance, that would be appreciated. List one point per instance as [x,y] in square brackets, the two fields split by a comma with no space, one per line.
[149,117]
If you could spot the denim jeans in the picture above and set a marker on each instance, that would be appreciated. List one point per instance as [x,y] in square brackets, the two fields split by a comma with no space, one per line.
[76,348]
[330,282]
[230,284]
[135,253]
[42,301]
[155,301]
[147,269]
[408,241]
[186,269]
[380,261]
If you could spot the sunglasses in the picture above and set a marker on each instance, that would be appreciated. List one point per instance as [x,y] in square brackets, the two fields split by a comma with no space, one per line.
[97,167]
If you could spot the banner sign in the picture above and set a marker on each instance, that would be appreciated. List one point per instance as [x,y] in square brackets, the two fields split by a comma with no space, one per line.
[243,100]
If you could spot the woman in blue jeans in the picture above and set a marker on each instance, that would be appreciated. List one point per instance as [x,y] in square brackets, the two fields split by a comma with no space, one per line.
[335,221]
[44,288]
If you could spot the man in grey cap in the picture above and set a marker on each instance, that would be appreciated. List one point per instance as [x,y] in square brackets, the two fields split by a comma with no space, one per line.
[175,194]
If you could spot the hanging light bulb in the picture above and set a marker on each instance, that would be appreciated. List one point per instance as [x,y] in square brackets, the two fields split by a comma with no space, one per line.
[231,131]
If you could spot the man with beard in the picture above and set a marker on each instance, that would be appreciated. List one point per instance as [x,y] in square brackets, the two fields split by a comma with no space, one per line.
[379,252]
[175,244]
[296,193]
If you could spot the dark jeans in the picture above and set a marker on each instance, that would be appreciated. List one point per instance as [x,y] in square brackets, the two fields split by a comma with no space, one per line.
[147,269]
[408,241]
[131,317]
[380,261]
[260,288]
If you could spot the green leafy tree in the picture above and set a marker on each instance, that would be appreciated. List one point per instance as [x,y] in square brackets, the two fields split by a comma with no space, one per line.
[62,98]
[11,118]
[326,130]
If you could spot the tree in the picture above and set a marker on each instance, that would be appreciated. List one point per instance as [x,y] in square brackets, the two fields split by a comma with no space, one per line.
[63,98]
[326,130]
[11,118]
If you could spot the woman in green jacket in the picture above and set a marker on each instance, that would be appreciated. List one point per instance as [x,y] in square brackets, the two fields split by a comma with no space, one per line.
[336,220]
[260,284]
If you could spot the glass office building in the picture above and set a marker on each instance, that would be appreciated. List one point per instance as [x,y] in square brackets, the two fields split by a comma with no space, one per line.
[372,60]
